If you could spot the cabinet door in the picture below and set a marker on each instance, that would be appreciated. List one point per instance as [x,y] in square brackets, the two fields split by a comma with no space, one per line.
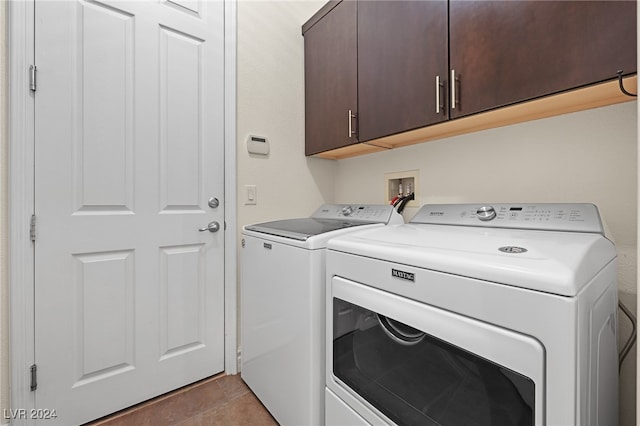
[330,62]
[505,52]
[402,48]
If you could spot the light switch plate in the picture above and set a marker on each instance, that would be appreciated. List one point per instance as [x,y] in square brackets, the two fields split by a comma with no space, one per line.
[250,195]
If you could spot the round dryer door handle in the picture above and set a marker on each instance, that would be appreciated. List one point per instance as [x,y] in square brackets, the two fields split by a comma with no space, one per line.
[399,332]
[211,227]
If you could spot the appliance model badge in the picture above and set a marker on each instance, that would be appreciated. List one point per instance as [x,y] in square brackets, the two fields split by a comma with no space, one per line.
[403,275]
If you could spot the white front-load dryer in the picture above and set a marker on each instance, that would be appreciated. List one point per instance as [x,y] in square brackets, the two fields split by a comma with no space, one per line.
[282,306]
[474,315]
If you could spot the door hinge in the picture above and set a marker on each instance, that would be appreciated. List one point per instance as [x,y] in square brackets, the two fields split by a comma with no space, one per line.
[32,228]
[34,377]
[32,77]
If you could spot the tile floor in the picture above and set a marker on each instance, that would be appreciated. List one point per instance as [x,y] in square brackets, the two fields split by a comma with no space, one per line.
[220,400]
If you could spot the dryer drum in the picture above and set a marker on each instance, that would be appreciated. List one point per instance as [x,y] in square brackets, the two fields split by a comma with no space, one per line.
[400,332]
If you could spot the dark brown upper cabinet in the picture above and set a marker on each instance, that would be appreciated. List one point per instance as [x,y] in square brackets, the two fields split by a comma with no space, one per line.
[402,66]
[506,52]
[385,72]
[330,64]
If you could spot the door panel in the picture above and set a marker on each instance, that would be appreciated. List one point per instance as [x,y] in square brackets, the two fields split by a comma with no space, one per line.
[102,85]
[181,140]
[129,111]
[104,294]
[183,291]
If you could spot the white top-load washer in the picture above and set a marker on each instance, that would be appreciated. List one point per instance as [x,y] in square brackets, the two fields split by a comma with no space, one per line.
[474,315]
[282,306]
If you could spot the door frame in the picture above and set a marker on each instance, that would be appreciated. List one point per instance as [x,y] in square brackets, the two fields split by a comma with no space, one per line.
[21,148]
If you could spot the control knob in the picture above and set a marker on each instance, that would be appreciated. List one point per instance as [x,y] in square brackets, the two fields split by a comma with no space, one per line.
[486,213]
[347,210]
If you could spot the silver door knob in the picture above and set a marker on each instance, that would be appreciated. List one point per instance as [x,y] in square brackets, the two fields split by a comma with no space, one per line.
[211,227]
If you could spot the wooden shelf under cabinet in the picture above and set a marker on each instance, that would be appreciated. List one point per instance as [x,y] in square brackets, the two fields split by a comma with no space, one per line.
[571,101]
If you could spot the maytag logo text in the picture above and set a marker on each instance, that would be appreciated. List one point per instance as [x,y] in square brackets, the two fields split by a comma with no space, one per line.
[403,275]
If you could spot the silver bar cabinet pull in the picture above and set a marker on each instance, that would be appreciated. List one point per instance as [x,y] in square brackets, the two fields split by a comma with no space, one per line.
[437,94]
[350,117]
[453,89]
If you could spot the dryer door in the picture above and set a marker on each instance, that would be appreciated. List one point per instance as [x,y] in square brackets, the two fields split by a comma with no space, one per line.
[416,364]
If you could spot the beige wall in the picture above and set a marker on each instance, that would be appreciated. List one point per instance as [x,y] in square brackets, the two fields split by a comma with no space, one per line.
[271,104]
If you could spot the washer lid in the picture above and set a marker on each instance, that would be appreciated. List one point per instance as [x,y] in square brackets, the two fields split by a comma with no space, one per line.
[327,218]
[549,261]
[303,228]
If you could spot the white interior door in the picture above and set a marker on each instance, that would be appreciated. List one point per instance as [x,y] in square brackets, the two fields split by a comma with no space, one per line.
[129,295]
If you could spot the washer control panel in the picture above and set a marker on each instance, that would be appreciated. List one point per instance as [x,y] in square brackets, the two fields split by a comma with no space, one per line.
[548,217]
[356,212]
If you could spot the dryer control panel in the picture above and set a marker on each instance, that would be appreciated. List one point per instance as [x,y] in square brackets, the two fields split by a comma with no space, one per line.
[544,217]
